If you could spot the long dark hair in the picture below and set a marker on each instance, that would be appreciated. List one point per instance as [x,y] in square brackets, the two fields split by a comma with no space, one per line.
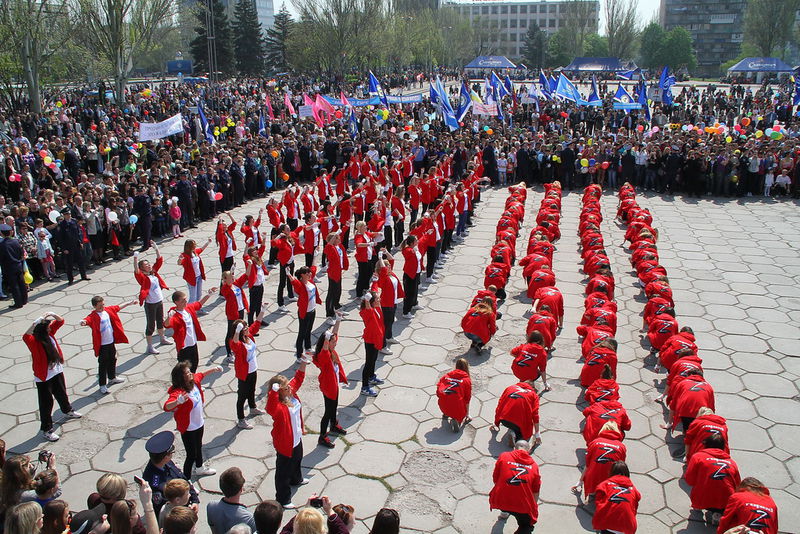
[178,380]
[41,333]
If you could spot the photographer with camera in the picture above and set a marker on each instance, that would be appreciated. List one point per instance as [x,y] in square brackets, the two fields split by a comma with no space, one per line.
[311,520]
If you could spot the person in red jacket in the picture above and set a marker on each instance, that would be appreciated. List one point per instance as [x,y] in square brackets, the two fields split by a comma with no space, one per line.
[245,366]
[338,262]
[257,277]
[454,392]
[391,292]
[226,243]
[479,325]
[516,487]
[331,374]
[284,243]
[540,278]
[713,476]
[688,396]
[194,271]
[551,297]
[601,454]
[308,298]
[48,371]
[751,507]
[107,331]
[496,274]
[412,273]
[668,354]
[373,336]
[599,413]
[542,320]
[288,428]
[602,354]
[276,219]
[182,318]
[250,229]
[661,328]
[705,424]
[518,410]
[530,360]
[616,502]
[365,256]
[185,399]
[236,307]
[604,388]
[150,295]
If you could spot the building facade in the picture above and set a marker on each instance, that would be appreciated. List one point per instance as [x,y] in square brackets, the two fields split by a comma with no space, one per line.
[506,23]
[717,28]
[264,8]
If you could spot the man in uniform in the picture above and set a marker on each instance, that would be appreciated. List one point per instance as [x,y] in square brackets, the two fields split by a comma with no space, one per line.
[161,469]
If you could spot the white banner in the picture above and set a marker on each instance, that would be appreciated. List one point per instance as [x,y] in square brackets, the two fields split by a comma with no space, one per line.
[158,130]
[306,111]
[484,109]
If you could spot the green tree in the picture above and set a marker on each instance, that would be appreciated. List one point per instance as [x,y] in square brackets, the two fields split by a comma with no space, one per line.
[277,40]
[678,51]
[560,49]
[579,21]
[249,41]
[222,38]
[535,50]
[621,27]
[651,46]
[768,24]
[595,46]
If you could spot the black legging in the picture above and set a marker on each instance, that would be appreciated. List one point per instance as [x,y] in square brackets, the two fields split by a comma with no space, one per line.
[329,419]
[283,282]
[388,320]
[229,333]
[246,391]
[256,300]
[411,288]
[273,251]
[225,265]
[193,445]
[304,332]
[398,232]
[388,233]
[56,388]
[369,364]
[333,296]
[365,272]
[432,257]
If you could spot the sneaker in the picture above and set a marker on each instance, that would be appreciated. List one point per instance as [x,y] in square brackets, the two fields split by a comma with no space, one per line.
[117,380]
[330,320]
[375,381]
[74,415]
[369,392]
[256,411]
[299,360]
[244,425]
[152,350]
[165,341]
[283,309]
[417,307]
[204,471]
[49,435]
[104,390]
[289,506]
[292,299]
[230,359]
[303,482]
[407,316]
[455,425]
[339,430]
[325,441]
[391,340]
[386,351]
[503,516]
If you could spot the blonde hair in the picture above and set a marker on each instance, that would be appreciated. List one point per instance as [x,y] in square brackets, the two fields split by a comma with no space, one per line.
[610,425]
[112,487]
[704,410]
[360,225]
[310,521]
[22,518]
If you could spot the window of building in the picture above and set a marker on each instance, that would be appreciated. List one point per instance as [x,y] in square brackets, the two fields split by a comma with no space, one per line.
[553,8]
[513,10]
[523,23]
[504,10]
[512,36]
[504,23]
[494,10]
[485,10]
[476,11]
[512,23]
[551,23]
[533,9]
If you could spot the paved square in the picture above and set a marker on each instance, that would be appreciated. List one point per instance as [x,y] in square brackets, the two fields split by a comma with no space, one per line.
[735,270]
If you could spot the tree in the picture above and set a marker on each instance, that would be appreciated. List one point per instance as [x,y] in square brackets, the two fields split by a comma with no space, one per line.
[560,48]
[249,41]
[119,30]
[595,46]
[678,50]
[621,26]
[768,24]
[580,21]
[651,46]
[222,39]
[277,40]
[535,46]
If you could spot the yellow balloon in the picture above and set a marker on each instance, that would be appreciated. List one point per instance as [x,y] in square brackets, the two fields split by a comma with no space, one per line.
[27,277]
[590,141]
[223,129]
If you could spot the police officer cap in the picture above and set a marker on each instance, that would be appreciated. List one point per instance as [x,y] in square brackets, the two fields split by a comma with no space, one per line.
[5,228]
[160,443]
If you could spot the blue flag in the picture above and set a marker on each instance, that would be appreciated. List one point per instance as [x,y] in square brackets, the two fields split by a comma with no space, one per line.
[376,89]
[567,90]
[500,90]
[445,108]
[594,96]
[797,90]
[627,74]
[622,95]
[553,84]
[464,102]
[352,124]
[545,85]
[665,83]
[643,100]
[499,101]
[204,124]
[509,85]
[262,128]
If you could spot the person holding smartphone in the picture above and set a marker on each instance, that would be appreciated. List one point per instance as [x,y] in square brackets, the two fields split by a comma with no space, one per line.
[313,518]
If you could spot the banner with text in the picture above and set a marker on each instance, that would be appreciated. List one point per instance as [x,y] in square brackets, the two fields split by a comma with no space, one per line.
[158,130]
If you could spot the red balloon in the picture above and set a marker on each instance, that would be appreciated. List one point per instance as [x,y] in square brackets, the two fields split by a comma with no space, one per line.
[217,196]
[94,127]
[605,165]
[640,128]
[339,114]
[564,114]
[43,153]
[146,112]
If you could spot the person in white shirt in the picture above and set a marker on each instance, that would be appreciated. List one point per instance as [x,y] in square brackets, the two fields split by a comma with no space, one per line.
[151,296]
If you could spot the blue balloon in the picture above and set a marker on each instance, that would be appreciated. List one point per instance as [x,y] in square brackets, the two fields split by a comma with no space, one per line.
[592,162]
[268,183]
[426,127]
[133,219]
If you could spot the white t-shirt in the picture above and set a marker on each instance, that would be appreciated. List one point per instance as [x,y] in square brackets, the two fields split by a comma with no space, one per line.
[311,289]
[53,369]
[297,424]
[196,265]
[106,332]
[237,292]
[252,360]
[190,339]
[229,244]
[418,254]
[154,296]
[196,419]
[393,280]
[259,275]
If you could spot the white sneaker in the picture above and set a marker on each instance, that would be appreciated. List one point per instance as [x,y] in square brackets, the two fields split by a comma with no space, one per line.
[204,471]
[152,350]
[330,320]
[289,506]
[408,316]
[385,350]
[291,299]
[117,380]
[74,415]
[50,435]
[165,341]
[317,279]
[256,411]
[391,340]
[244,425]
[304,482]
[104,390]
[283,309]
[417,307]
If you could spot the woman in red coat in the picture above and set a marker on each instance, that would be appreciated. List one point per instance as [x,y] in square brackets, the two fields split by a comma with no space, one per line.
[516,487]
[751,506]
[245,366]
[713,476]
[391,293]
[518,410]
[331,374]
[48,371]
[454,392]
[479,325]
[373,336]
[604,388]
[602,354]
[412,268]
[226,243]
[337,263]
[286,410]
[194,272]
[284,243]
[365,256]
[150,285]
[530,360]
[601,454]
[599,413]
[186,401]
[236,306]
[616,501]
[553,299]
[308,298]
[705,424]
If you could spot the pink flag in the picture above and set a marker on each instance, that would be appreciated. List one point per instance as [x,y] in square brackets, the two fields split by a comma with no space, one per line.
[288,103]
[345,102]
[269,109]
[325,108]
[314,109]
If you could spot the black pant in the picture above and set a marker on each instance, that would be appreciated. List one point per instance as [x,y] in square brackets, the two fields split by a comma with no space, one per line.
[226,265]
[447,240]
[283,282]
[256,301]
[365,272]
[432,257]
[388,233]
[16,285]
[514,430]
[56,388]
[369,364]
[246,391]
[189,354]
[309,259]
[304,332]
[411,289]
[329,419]
[145,225]
[288,474]
[229,333]
[333,296]
[193,444]
[107,363]
[292,224]
[273,251]
[388,320]
[524,523]
[70,257]
[346,239]
[398,232]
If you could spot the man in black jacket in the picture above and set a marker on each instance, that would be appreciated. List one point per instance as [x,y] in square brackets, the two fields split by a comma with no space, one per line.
[71,240]
[12,261]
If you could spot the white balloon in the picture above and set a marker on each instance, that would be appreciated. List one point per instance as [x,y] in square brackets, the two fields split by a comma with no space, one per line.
[112,216]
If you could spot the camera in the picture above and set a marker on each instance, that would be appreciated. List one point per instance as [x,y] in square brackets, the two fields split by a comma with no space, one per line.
[44,456]
[316,502]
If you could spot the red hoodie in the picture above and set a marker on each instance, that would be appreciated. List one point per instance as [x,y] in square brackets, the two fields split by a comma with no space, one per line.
[144,279]
[601,413]
[759,513]
[454,392]
[596,360]
[480,324]
[545,324]
[519,404]
[701,428]
[282,436]
[373,326]
[681,340]
[689,395]
[713,477]
[530,361]
[540,279]
[616,501]
[552,297]
[662,327]
[602,389]
[240,363]
[38,355]
[516,484]
[329,378]
[601,453]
